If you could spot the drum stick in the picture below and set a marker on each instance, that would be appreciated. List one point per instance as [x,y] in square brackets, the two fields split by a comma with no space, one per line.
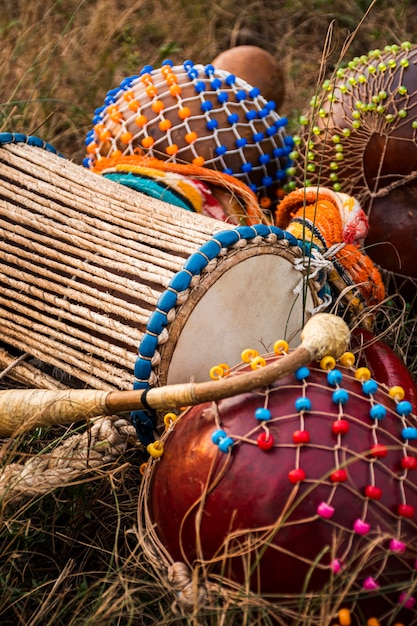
[24,409]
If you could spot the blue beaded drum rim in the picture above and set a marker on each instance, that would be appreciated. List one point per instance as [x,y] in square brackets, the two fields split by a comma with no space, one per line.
[145,421]
[30,140]
[249,116]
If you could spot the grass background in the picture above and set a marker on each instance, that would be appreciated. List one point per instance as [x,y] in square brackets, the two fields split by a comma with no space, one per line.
[72,557]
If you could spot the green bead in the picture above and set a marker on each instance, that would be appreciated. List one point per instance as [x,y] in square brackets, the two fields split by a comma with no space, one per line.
[290,171]
[297,139]
[356,124]
[294,155]
[362,78]
[414,124]
[382,67]
[311,167]
[380,109]
[338,147]
[343,88]
[333,165]
[303,120]
[346,132]
[389,117]
[383,95]
[406,45]
[371,69]
[336,139]
[356,115]
[315,130]
[402,90]
[402,113]
[392,64]
[333,176]
[404,63]
[337,186]
[340,73]
[339,156]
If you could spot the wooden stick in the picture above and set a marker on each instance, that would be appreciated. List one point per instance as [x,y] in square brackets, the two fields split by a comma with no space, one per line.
[20,410]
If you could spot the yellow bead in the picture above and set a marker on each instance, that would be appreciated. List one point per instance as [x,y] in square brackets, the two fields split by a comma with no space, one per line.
[397,392]
[169,418]
[218,371]
[327,363]
[257,362]
[155,449]
[344,617]
[281,346]
[363,373]
[347,359]
[249,354]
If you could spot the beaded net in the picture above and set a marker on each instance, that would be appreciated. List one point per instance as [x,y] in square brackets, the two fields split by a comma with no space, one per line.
[324,453]
[199,115]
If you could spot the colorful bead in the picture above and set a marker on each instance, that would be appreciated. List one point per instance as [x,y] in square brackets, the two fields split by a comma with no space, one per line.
[249,354]
[340,427]
[327,363]
[397,393]
[165,125]
[199,161]
[296,475]
[362,373]
[257,362]
[404,408]
[302,373]
[265,441]
[379,451]
[339,476]
[325,510]
[340,396]
[147,142]
[348,358]
[370,584]
[172,149]
[409,433]
[409,462]
[301,436]
[225,444]
[361,527]
[336,566]
[184,112]
[344,617]
[155,449]
[169,419]
[377,412]
[373,621]
[281,346]
[406,510]
[373,492]
[395,545]
[370,387]
[302,404]
[334,377]
[263,414]
[218,371]
[217,436]
[407,601]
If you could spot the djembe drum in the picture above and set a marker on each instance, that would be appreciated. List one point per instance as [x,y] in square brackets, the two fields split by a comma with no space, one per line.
[91,270]
[303,487]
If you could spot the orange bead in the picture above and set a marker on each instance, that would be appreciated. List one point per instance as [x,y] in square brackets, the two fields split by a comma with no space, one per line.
[158,106]
[170,78]
[116,154]
[128,95]
[146,79]
[175,90]
[184,113]
[171,150]
[92,148]
[166,70]
[151,91]
[190,137]
[105,135]
[199,160]
[141,120]
[98,128]
[165,125]
[265,202]
[147,142]
[133,105]
[116,117]
[126,137]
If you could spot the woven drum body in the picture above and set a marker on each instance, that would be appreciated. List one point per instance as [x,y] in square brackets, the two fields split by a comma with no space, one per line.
[360,138]
[307,484]
[91,270]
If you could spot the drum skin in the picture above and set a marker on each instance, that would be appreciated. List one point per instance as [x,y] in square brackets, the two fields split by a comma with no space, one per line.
[252,494]
[363,142]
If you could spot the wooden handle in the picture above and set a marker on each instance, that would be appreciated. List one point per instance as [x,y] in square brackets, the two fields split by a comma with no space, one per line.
[20,410]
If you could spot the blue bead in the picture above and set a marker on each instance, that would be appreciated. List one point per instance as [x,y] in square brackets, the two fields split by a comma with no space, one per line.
[271,131]
[282,121]
[230,79]
[200,86]
[280,175]
[146,69]
[240,95]
[370,387]
[254,92]
[404,408]
[209,69]
[377,412]
[246,232]
[181,281]
[86,162]
[188,64]
[148,345]
[272,105]
[222,97]
[210,249]
[246,168]
[218,436]
[142,369]
[192,73]
[251,115]
[253,187]
[167,300]
[263,414]
[195,263]
[264,158]
[258,137]
[220,150]
[227,238]
[334,377]
[169,62]
[241,142]
[267,181]
[279,152]
[233,118]
[157,322]
[212,124]
[228,170]
[206,106]
[262,230]
[289,237]
[289,141]
[302,373]
[302,404]
[340,396]
[409,433]
[263,113]
[216,83]
[226,444]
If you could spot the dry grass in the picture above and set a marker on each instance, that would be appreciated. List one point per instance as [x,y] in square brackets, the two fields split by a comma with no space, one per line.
[70,557]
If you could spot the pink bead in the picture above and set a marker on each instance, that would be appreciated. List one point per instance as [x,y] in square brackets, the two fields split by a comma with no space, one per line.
[397,546]
[407,601]
[325,510]
[370,584]
[361,527]
[336,566]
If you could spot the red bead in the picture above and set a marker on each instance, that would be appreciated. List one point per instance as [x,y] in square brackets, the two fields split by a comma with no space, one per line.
[296,475]
[373,492]
[265,441]
[340,427]
[409,462]
[301,436]
[379,451]
[406,510]
[339,476]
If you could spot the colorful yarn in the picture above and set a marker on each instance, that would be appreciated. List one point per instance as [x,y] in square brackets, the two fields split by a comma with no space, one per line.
[334,224]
